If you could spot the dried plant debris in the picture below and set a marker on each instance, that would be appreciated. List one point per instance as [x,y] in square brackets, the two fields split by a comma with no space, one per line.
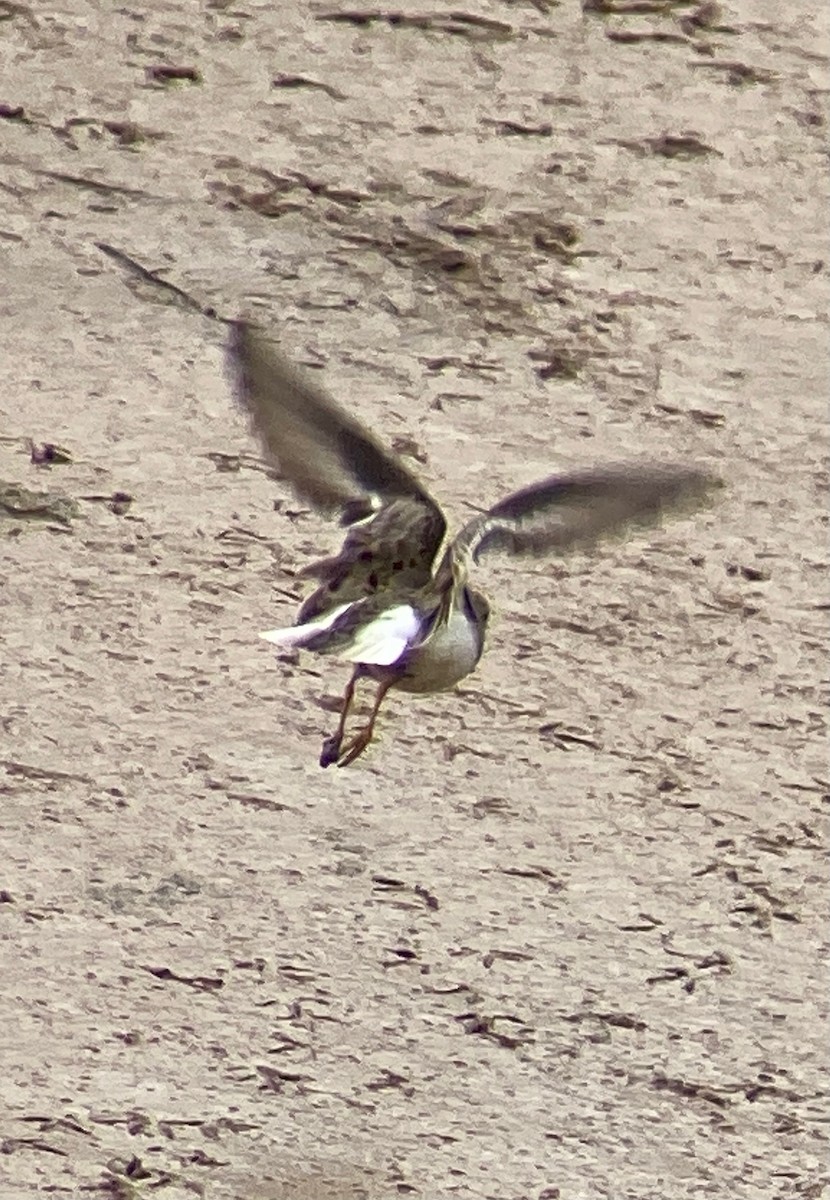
[410,448]
[287,193]
[504,1029]
[165,75]
[625,7]
[49,777]
[19,503]
[302,81]
[707,17]
[513,128]
[10,9]
[101,186]
[231,463]
[458,241]
[460,24]
[670,145]
[118,503]
[737,74]
[632,36]
[47,454]
[12,112]
[559,363]
[684,145]
[149,285]
[127,134]
[201,983]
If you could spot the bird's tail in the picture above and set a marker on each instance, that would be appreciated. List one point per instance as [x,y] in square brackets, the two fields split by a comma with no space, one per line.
[297,636]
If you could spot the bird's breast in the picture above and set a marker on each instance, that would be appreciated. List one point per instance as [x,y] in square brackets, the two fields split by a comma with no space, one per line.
[446,657]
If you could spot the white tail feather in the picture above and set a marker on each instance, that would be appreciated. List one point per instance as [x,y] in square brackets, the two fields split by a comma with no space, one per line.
[383,640]
[297,635]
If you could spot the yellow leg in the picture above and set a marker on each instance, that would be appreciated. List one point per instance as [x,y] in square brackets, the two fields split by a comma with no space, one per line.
[331,746]
[364,736]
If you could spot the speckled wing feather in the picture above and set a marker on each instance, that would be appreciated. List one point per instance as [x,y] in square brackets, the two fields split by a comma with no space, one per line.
[330,460]
[391,552]
[572,512]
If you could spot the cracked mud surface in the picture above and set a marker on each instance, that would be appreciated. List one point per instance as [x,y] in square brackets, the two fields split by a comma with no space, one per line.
[557,935]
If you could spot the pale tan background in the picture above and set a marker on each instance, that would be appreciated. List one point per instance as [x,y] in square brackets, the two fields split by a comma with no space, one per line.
[559,935]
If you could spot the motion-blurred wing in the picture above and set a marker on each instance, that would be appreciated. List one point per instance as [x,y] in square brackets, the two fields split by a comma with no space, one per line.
[327,456]
[332,462]
[572,512]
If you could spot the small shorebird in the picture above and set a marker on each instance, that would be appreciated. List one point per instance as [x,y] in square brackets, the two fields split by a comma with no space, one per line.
[390,602]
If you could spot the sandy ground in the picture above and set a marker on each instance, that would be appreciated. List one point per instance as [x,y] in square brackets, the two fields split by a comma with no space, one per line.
[559,934]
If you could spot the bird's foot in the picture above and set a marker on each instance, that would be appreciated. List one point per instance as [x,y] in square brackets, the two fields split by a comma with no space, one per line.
[355,747]
[330,752]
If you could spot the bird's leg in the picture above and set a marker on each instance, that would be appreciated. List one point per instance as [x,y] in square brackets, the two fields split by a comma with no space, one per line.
[331,746]
[364,736]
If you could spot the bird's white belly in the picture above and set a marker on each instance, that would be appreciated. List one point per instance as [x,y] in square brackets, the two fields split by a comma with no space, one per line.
[445,658]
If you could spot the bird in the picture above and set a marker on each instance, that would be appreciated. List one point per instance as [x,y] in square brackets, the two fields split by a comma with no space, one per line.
[396,601]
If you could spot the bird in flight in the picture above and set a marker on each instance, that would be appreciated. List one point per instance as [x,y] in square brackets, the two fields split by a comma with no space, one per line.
[396,601]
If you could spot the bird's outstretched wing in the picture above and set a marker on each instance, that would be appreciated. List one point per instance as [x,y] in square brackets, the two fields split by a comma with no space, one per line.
[572,512]
[331,461]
